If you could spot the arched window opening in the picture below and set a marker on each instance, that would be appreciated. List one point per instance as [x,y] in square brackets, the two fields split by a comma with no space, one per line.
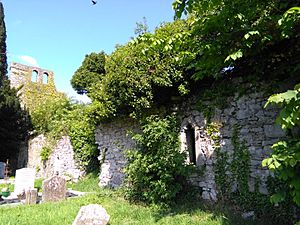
[34,76]
[45,78]
[191,143]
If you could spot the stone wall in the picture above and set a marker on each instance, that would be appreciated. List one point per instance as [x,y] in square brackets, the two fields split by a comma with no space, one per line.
[255,127]
[22,74]
[61,160]
[112,139]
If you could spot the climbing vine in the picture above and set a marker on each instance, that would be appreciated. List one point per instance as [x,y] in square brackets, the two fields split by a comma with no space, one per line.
[232,173]
[240,165]
[216,97]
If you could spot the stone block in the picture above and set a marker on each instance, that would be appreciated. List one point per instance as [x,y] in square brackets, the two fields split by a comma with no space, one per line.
[268,143]
[257,130]
[31,196]
[273,131]
[54,189]
[92,214]
[263,189]
[242,114]
[213,195]
[244,131]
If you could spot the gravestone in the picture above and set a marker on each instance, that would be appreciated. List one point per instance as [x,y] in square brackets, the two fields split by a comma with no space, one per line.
[54,189]
[31,196]
[2,170]
[24,180]
[92,214]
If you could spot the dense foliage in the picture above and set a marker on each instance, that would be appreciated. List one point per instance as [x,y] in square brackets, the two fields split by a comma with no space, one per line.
[90,72]
[57,117]
[140,74]
[285,158]
[15,123]
[49,116]
[157,171]
[219,39]
[246,36]
[82,133]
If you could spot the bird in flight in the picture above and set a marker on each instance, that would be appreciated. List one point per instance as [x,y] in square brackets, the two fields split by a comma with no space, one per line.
[94,2]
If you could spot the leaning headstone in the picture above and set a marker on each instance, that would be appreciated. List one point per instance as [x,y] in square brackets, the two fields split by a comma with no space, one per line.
[31,196]
[92,214]
[54,189]
[2,170]
[24,180]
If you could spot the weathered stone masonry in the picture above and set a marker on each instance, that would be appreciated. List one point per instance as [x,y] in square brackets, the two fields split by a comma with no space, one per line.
[257,130]
[21,75]
[61,161]
[112,139]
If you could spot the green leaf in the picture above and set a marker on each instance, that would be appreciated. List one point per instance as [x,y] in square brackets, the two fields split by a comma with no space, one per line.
[297,87]
[282,97]
[278,197]
[265,162]
[234,56]
[251,33]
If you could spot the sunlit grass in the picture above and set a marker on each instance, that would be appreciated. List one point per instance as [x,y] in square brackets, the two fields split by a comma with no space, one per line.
[120,210]
[87,184]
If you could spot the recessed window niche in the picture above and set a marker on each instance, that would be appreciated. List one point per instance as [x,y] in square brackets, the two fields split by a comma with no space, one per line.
[191,143]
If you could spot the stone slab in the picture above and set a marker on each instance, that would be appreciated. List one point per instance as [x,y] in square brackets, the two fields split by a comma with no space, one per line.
[92,214]
[2,170]
[54,189]
[31,197]
[24,180]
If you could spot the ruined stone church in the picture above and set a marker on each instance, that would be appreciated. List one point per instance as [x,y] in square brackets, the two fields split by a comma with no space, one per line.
[244,119]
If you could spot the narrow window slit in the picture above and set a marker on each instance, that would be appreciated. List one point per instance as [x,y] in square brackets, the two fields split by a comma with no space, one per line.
[191,144]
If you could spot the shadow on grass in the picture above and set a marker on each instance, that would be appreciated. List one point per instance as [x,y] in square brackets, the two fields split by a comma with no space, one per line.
[224,215]
[223,212]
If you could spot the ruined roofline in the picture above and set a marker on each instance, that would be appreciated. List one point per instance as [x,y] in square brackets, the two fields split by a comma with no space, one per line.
[23,67]
[22,74]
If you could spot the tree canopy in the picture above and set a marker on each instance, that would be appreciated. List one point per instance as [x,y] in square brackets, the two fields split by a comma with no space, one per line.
[90,72]
[137,75]
[257,36]
[217,38]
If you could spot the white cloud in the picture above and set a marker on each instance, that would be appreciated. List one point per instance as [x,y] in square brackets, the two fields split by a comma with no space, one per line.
[29,60]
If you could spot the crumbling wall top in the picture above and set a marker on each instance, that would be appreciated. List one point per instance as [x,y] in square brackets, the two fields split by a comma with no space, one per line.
[25,68]
[23,75]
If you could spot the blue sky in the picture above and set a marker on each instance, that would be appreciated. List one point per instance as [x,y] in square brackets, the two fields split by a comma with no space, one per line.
[57,34]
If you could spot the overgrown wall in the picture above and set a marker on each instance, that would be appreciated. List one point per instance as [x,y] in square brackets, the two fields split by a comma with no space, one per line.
[244,120]
[61,160]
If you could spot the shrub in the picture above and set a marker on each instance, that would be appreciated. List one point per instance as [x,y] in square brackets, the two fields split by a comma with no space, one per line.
[45,153]
[156,172]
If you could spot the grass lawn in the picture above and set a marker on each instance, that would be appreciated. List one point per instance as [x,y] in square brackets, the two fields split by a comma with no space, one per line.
[121,212]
